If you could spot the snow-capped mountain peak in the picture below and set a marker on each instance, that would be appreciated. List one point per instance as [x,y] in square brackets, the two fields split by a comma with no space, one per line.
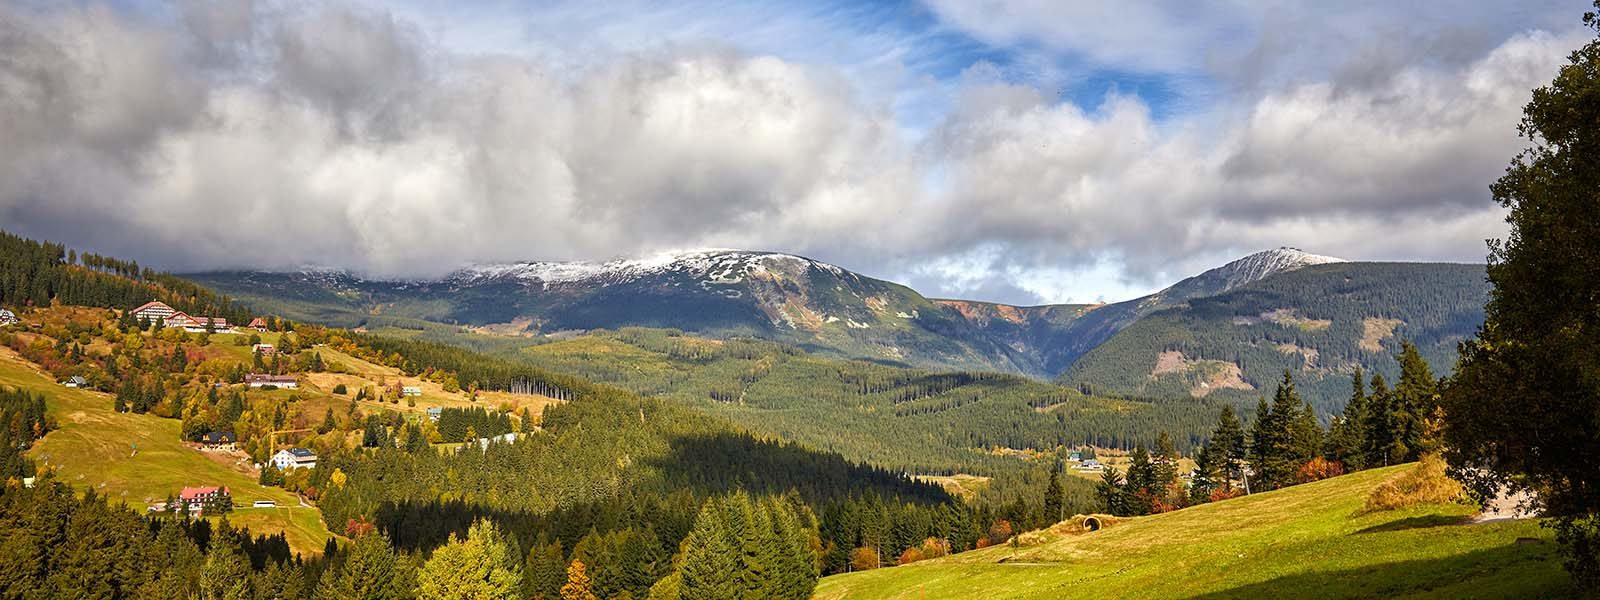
[1267,263]
[717,265]
[1243,271]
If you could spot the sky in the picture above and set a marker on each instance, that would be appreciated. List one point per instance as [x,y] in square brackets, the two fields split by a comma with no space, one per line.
[1021,151]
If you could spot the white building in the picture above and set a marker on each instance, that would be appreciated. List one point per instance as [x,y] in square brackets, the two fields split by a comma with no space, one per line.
[294,458]
[151,311]
[287,382]
[7,317]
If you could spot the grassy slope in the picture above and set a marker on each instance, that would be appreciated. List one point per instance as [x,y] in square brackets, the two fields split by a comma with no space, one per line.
[1306,541]
[93,446]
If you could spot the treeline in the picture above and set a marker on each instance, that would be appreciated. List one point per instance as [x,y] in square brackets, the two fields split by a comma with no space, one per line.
[63,545]
[473,370]
[467,424]
[1312,321]
[907,420]
[1285,445]
[23,420]
[36,273]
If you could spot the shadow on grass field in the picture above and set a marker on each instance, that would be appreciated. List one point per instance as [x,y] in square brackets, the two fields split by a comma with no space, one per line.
[1469,575]
[1312,540]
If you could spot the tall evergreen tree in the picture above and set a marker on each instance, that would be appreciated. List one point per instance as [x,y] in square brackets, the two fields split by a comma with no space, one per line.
[369,570]
[1415,398]
[1228,444]
[1378,431]
[1054,508]
[1345,435]
[480,567]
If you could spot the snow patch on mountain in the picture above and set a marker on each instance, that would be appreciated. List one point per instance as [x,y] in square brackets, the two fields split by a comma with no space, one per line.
[716,266]
[1261,265]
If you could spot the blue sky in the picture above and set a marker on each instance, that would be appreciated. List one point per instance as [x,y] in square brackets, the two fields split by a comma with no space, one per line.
[1023,151]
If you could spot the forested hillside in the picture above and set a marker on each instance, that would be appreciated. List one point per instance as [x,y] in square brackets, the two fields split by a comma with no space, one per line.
[905,419]
[822,307]
[1319,322]
[36,273]
[602,489]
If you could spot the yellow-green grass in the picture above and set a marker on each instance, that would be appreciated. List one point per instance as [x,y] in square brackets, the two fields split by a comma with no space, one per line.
[961,484]
[139,459]
[1308,541]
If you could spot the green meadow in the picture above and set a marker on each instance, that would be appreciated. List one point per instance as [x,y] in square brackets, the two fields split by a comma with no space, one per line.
[1308,541]
[138,459]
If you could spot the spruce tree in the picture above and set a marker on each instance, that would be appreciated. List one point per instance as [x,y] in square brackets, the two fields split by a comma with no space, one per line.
[1054,509]
[1378,431]
[1228,444]
[1415,398]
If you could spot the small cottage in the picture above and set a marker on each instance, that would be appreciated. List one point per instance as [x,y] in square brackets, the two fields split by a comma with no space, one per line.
[220,441]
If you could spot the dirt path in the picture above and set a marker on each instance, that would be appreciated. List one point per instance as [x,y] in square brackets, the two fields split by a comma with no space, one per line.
[1505,507]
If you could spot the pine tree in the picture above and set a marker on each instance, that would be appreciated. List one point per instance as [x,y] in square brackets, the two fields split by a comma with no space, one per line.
[481,567]
[370,570]
[1378,430]
[1228,444]
[1112,493]
[1345,435]
[1142,481]
[1054,508]
[1415,398]
[1207,475]
[545,570]
[578,586]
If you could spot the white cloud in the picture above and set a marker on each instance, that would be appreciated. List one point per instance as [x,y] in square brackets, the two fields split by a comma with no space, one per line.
[245,135]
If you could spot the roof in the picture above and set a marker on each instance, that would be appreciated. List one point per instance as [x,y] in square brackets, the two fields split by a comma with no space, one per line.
[264,378]
[301,453]
[218,437]
[78,379]
[203,490]
[258,322]
[152,304]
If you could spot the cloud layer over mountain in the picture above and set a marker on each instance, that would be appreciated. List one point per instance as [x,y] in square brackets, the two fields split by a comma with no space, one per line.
[265,135]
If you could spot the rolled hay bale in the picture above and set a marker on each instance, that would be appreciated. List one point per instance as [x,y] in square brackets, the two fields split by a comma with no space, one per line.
[1086,523]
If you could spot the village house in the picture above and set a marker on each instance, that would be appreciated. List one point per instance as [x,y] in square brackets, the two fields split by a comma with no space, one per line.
[7,317]
[220,441]
[258,324]
[75,381]
[411,390]
[294,458]
[434,413]
[257,380]
[264,349]
[200,498]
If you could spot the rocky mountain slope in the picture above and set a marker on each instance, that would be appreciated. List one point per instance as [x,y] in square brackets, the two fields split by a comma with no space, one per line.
[827,309]
[819,306]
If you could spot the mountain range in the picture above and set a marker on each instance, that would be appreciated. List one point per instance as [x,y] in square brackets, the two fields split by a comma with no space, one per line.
[1314,314]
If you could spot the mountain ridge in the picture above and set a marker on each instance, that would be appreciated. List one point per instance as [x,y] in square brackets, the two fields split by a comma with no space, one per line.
[815,305]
